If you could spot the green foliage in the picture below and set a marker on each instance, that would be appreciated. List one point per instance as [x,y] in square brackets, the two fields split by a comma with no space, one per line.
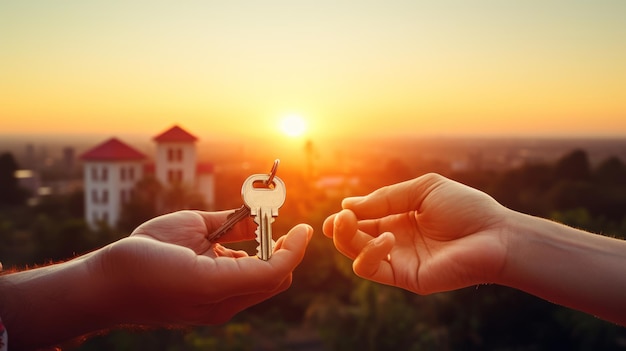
[340,310]
[10,192]
[610,172]
[142,206]
[574,166]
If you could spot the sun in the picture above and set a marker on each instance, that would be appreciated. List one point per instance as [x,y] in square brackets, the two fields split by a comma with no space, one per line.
[293,125]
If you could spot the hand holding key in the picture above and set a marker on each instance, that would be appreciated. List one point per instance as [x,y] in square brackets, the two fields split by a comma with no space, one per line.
[165,273]
[167,270]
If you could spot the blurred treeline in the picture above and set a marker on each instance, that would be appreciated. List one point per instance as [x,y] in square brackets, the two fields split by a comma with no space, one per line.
[327,306]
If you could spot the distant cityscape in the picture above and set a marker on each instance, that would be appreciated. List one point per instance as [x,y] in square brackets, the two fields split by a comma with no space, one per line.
[53,166]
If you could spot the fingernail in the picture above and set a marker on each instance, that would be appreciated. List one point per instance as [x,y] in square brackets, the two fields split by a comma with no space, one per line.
[309,232]
[351,201]
[378,241]
[338,223]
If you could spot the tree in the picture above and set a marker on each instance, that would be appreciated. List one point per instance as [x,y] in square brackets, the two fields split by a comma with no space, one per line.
[611,172]
[10,192]
[574,166]
[142,206]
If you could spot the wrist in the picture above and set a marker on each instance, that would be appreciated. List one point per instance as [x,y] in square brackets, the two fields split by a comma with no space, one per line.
[110,293]
[51,305]
[567,266]
[126,290]
[526,237]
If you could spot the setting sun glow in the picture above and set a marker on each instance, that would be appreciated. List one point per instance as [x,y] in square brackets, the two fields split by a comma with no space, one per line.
[293,126]
[369,70]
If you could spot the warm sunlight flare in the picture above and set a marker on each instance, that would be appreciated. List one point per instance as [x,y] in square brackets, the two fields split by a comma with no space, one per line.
[369,70]
[293,125]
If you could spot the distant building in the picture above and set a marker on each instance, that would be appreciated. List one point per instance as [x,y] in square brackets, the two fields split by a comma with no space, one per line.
[68,161]
[175,161]
[112,169]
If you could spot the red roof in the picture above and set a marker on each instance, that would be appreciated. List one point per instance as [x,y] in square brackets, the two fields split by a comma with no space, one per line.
[112,150]
[175,134]
[149,168]
[204,168]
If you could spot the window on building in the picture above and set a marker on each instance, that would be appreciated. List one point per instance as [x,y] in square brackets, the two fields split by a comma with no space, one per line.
[105,174]
[105,216]
[123,195]
[105,196]
[131,173]
[175,154]
[179,176]
[123,173]
[94,173]
[94,196]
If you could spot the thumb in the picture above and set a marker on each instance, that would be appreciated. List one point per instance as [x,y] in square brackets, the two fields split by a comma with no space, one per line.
[394,199]
[291,247]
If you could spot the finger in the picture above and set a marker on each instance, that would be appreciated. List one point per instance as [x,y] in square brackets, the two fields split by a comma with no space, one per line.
[291,247]
[394,199]
[347,238]
[327,227]
[222,251]
[373,262]
[251,275]
[372,227]
[243,230]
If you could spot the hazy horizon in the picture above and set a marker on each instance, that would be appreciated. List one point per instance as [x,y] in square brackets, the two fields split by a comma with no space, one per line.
[236,69]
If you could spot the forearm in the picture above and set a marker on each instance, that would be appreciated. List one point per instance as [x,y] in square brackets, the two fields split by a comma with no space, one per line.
[53,304]
[567,266]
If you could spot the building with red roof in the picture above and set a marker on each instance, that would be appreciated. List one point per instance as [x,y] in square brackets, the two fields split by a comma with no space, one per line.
[112,150]
[175,134]
[112,169]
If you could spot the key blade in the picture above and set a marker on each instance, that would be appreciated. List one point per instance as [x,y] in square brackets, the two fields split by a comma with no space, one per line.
[231,220]
[264,234]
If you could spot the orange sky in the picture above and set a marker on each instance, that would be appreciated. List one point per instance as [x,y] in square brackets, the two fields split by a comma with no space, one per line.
[350,68]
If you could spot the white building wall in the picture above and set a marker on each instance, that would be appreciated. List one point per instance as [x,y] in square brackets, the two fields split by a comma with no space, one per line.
[107,185]
[174,160]
[206,187]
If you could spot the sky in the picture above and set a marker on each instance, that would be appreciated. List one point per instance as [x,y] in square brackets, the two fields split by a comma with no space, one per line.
[348,68]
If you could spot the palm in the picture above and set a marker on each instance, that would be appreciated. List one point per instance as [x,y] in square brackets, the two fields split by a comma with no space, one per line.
[442,235]
[422,262]
[184,228]
[447,243]
[169,271]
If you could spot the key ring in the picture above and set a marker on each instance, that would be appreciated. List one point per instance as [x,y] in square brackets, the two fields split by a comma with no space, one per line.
[272,174]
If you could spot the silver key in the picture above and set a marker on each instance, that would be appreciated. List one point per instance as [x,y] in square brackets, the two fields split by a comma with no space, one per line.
[264,197]
[231,220]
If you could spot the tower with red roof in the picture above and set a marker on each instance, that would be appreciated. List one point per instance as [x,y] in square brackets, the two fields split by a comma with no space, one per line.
[111,170]
[175,159]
